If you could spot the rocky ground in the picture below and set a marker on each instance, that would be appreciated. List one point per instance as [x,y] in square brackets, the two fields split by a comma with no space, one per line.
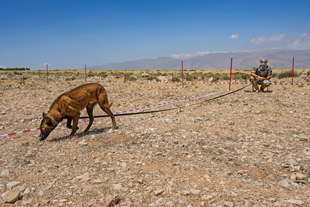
[245,149]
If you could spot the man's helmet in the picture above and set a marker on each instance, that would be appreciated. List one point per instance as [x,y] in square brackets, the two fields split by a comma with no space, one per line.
[264,60]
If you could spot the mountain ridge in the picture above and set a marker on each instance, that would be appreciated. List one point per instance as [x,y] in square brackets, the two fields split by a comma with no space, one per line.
[278,58]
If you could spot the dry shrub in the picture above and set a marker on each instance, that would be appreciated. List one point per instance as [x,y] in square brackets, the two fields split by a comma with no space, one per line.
[287,74]
[131,78]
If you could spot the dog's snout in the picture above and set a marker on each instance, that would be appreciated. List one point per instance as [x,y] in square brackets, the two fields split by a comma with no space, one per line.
[42,137]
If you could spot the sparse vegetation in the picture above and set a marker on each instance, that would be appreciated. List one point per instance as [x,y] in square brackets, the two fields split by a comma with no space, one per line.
[131,78]
[91,74]
[287,74]
[14,68]
[176,79]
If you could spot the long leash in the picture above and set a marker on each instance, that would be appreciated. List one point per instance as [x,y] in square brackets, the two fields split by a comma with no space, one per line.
[148,112]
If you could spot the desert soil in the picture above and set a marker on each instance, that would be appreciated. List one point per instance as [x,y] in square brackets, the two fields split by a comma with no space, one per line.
[245,149]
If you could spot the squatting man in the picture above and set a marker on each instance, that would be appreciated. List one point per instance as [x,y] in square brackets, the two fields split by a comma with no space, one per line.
[261,75]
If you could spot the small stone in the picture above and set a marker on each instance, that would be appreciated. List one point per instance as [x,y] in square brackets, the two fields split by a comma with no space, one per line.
[229,204]
[293,177]
[277,204]
[297,202]
[158,192]
[272,200]
[62,200]
[231,123]
[301,181]
[300,176]
[117,186]
[303,137]
[279,147]
[206,147]
[11,196]
[159,201]
[284,183]
[27,201]
[12,184]
[97,181]
[114,201]
[83,143]
[82,176]
[195,192]
[169,203]
[5,172]
[85,179]
[186,192]
[292,162]
[123,165]
[27,191]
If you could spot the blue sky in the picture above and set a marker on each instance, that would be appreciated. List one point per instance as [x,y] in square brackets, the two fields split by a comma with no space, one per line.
[69,34]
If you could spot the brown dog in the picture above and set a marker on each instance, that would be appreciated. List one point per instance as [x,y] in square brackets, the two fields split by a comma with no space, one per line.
[69,105]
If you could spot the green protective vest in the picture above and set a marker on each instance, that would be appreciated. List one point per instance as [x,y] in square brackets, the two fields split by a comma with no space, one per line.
[262,73]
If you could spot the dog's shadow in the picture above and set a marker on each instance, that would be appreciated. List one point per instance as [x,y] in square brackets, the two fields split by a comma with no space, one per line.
[81,134]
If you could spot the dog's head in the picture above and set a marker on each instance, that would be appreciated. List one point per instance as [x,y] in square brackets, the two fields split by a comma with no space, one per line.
[48,124]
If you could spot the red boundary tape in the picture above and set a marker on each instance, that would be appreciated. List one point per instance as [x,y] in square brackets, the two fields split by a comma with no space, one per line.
[123,112]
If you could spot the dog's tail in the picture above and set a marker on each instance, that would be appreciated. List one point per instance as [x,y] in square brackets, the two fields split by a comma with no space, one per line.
[111,104]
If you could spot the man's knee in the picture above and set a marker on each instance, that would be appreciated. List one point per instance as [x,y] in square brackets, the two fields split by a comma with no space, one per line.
[252,79]
[267,83]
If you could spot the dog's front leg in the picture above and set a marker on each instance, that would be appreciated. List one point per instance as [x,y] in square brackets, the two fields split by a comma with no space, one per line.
[69,126]
[75,123]
[71,112]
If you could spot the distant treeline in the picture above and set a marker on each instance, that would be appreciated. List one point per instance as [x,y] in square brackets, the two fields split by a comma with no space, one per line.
[14,68]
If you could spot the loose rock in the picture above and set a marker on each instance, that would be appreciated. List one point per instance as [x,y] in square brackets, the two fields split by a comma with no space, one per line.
[117,186]
[284,183]
[158,192]
[300,176]
[297,202]
[5,172]
[12,196]
[195,192]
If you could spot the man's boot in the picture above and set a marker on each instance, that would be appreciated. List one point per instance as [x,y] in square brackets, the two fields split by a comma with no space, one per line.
[262,88]
[254,87]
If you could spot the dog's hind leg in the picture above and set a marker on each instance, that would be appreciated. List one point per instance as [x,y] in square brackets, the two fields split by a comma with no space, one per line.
[104,105]
[90,108]
[106,108]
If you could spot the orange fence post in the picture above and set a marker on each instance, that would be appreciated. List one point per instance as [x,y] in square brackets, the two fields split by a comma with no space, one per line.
[47,73]
[293,72]
[85,74]
[230,73]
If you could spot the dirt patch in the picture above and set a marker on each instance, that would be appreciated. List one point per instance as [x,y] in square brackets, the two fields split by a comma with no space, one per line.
[235,149]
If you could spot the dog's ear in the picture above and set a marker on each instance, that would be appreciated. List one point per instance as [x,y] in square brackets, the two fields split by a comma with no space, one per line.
[43,114]
[48,121]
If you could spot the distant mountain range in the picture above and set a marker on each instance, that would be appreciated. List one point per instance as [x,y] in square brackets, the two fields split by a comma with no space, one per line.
[278,58]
